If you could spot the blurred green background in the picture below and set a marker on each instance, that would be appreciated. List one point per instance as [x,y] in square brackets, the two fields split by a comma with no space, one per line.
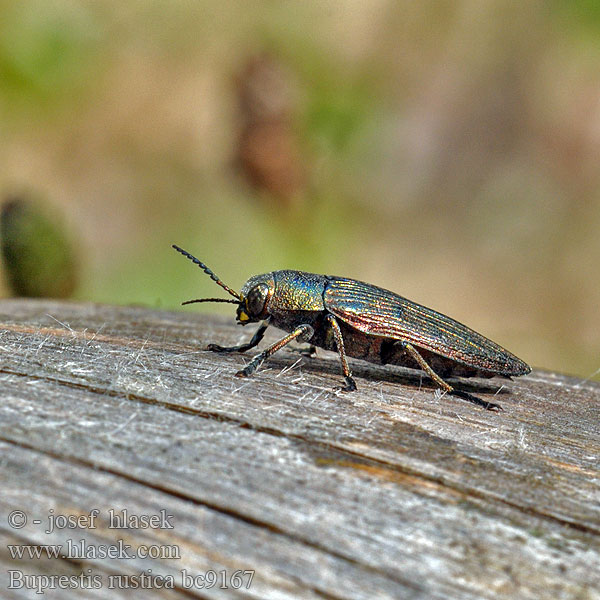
[449,151]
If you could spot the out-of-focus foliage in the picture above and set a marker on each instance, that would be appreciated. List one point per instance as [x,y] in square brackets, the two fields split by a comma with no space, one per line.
[579,15]
[46,53]
[267,145]
[37,253]
[446,150]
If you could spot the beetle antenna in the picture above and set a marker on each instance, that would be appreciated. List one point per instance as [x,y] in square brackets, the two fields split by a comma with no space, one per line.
[210,300]
[209,273]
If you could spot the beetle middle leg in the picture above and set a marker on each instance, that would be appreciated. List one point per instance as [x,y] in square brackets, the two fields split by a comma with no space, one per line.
[444,385]
[304,332]
[256,338]
[339,342]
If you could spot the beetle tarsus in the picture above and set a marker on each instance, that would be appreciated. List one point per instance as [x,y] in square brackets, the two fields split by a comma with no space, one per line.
[251,366]
[302,332]
[350,385]
[256,338]
[475,400]
[339,343]
[217,348]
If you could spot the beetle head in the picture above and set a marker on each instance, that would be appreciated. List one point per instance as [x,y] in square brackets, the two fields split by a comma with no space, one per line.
[254,299]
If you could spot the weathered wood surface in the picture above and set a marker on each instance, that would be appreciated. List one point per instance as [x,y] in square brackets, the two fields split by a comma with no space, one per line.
[390,492]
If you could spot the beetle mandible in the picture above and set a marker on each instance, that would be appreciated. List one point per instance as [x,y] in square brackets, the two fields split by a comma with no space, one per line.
[362,321]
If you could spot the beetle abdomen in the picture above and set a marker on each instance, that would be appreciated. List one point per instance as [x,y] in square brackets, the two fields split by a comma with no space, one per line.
[388,351]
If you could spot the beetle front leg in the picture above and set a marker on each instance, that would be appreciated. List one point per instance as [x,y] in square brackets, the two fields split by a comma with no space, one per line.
[446,386]
[256,338]
[339,343]
[304,332]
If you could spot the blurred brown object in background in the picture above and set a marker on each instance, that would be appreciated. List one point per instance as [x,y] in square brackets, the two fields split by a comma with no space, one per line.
[38,254]
[268,154]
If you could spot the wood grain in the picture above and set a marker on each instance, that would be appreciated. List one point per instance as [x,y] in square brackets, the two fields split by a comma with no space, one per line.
[394,491]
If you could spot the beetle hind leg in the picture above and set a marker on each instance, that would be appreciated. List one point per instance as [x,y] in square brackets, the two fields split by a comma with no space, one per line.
[446,386]
[476,400]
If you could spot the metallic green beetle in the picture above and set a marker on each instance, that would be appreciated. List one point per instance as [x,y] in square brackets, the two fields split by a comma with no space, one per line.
[362,321]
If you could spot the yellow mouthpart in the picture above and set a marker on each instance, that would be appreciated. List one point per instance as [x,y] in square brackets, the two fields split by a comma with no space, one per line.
[243,316]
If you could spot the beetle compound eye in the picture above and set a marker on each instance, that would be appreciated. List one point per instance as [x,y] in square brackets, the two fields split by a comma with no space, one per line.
[257,297]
